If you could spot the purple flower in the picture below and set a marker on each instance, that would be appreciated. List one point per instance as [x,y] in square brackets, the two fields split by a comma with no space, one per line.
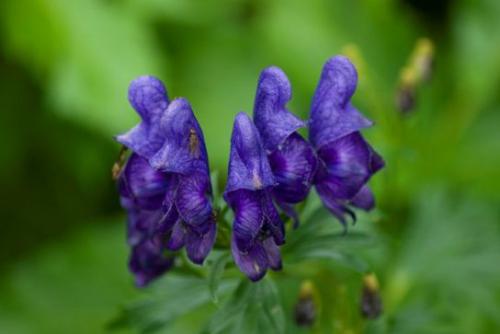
[346,160]
[292,158]
[165,185]
[257,227]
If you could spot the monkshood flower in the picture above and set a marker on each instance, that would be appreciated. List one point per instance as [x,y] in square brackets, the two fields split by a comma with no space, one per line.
[257,227]
[165,185]
[292,158]
[346,160]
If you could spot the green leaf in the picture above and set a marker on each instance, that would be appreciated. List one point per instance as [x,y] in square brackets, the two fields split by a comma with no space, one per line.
[215,274]
[254,308]
[170,298]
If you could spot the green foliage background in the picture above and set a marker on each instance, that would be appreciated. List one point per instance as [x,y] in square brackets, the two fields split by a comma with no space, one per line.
[64,71]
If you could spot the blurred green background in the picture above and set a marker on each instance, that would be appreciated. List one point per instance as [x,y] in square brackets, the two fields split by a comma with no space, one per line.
[64,72]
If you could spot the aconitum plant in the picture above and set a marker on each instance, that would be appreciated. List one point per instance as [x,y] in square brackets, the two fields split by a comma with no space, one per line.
[165,185]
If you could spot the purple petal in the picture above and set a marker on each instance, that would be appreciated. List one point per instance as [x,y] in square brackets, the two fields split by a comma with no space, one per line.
[147,262]
[148,97]
[334,204]
[177,238]
[193,198]
[141,224]
[183,149]
[273,254]
[198,245]
[332,115]
[272,220]
[289,210]
[248,164]
[141,186]
[348,164]
[294,165]
[248,221]
[252,262]
[274,122]
[364,199]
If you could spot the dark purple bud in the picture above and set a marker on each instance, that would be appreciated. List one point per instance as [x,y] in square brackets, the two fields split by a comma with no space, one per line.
[148,262]
[371,302]
[332,115]
[149,98]
[248,165]
[305,309]
[274,122]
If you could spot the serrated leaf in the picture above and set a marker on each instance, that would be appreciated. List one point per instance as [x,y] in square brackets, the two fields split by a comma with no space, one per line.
[170,299]
[254,308]
[215,274]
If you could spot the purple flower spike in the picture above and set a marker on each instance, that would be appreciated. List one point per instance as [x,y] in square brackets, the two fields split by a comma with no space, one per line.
[292,158]
[165,185]
[346,160]
[257,228]
[148,96]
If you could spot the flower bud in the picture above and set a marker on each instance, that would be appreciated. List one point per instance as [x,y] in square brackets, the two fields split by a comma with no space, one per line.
[305,309]
[371,303]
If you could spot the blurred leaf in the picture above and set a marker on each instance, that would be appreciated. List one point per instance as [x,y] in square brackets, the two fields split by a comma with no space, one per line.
[169,299]
[253,308]
[215,274]
[68,287]
[87,51]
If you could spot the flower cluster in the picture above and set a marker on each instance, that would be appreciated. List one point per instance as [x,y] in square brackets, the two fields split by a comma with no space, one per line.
[165,185]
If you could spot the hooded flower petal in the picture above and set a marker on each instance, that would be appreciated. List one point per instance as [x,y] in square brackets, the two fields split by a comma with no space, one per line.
[248,164]
[274,122]
[149,98]
[147,262]
[348,163]
[294,166]
[183,150]
[332,115]
[252,262]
